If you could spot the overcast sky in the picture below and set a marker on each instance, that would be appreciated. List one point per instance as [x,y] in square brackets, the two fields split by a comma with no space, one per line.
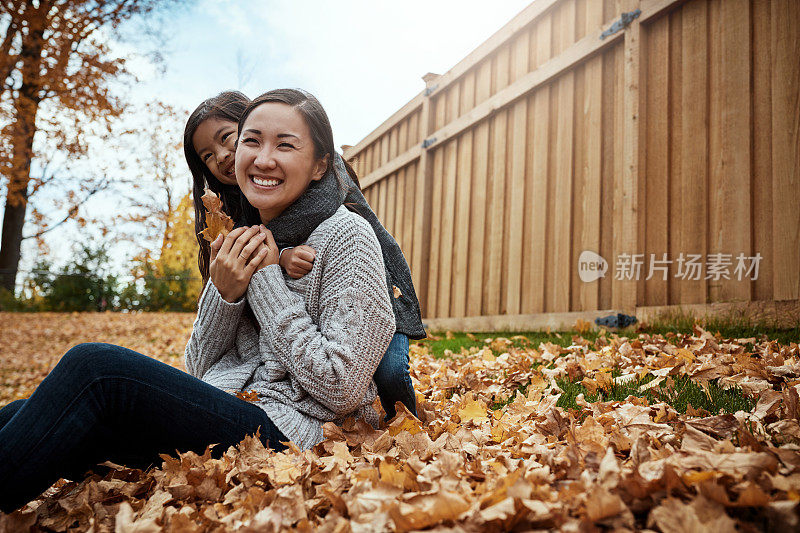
[362,59]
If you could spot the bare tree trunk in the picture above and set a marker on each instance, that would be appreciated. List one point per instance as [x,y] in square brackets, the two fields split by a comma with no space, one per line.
[13,220]
[26,107]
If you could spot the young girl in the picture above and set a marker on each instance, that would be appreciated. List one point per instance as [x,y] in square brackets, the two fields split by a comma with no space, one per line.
[308,347]
[209,145]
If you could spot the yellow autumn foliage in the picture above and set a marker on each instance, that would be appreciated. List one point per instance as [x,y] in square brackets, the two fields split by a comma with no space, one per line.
[179,250]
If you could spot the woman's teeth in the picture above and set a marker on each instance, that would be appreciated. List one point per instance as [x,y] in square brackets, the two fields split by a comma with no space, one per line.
[266,182]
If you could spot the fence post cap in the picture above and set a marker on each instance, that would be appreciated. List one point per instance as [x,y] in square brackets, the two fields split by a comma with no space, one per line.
[430,77]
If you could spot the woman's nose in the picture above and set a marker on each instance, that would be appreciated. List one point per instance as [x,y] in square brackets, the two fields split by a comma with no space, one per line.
[264,159]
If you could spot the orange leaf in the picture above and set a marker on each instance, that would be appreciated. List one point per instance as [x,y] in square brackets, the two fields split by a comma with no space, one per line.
[248,396]
[217,221]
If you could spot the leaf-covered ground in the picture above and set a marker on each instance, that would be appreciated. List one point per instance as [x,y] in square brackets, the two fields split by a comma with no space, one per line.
[675,432]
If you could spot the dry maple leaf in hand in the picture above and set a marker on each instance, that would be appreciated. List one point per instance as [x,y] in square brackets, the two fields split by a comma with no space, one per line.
[217,222]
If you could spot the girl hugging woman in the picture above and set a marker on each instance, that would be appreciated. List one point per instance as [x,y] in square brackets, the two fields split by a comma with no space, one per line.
[309,346]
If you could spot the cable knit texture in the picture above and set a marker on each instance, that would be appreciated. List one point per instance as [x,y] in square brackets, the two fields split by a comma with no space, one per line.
[318,340]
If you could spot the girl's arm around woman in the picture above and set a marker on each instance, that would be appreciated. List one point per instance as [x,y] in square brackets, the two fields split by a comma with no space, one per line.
[333,360]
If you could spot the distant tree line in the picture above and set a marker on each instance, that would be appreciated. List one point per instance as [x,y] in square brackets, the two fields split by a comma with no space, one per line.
[168,281]
[86,284]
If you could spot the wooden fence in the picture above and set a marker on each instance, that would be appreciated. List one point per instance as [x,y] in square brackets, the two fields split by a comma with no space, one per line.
[677,134]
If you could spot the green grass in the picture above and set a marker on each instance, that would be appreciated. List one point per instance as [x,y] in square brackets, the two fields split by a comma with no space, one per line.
[733,326]
[679,392]
[437,342]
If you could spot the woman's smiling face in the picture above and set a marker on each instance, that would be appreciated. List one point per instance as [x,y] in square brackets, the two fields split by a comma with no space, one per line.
[276,159]
[214,141]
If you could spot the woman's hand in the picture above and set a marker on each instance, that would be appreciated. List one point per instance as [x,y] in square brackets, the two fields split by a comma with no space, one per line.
[235,257]
[272,256]
[297,261]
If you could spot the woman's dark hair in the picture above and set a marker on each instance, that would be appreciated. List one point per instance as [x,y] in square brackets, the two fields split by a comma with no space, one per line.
[318,125]
[228,105]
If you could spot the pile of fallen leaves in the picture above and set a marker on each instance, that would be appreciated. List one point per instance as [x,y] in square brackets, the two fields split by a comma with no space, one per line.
[530,464]
[33,343]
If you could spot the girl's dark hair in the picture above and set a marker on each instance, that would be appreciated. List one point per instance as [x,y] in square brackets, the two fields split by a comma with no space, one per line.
[318,125]
[228,105]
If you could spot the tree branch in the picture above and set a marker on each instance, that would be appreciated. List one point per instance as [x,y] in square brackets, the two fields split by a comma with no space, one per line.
[71,213]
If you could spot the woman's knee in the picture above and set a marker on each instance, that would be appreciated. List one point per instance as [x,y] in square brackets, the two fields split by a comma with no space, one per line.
[92,358]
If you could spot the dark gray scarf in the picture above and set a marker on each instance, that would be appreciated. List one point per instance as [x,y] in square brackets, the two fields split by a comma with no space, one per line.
[320,202]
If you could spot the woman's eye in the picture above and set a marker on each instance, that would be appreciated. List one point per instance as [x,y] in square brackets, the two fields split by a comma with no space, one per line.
[225,136]
[286,144]
[248,140]
[205,157]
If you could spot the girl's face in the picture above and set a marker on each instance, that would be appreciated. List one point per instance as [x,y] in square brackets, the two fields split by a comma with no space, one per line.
[215,144]
[275,161]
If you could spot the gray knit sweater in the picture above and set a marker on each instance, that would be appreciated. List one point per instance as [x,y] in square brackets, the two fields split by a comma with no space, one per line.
[320,338]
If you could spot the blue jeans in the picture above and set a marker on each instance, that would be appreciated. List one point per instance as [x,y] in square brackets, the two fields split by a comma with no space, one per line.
[392,378]
[104,402]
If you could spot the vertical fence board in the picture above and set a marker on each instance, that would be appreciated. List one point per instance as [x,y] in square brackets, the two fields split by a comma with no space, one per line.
[592,111]
[393,133]
[448,208]
[675,128]
[373,155]
[423,198]
[497,179]
[406,220]
[733,222]
[402,137]
[464,185]
[539,170]
[384,201]
[436,251]
[579,199]
[785,150]
[479,209]
[562,169]
[656,198]
[515,192]
[694,149]
[617,177]
[761,99]
[399,205]
[437,176]
[627,184]
[448,213]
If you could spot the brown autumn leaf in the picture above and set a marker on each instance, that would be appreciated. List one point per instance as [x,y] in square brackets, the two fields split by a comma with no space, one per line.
[217,222]
[248,396]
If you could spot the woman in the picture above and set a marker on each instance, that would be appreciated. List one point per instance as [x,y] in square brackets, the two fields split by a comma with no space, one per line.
[308,347]
[209,146]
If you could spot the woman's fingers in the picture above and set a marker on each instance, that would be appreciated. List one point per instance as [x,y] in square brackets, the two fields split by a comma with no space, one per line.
[243,240]
[230,239]
[247,252]
[270,240]
[215,246]
[256,259]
